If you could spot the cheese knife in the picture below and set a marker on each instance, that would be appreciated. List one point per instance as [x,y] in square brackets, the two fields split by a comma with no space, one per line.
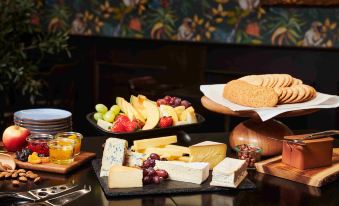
[313,136]
[63,199]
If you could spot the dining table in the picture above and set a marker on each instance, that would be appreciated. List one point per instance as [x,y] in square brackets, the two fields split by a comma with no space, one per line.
[269,190]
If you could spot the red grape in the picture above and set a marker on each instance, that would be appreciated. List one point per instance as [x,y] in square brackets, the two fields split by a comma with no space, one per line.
[156,179]
[147,180]
[144,172]
[162,173]
[167,98]
[161,101]
[146,164]
[154,156]
[185,103]
[151,172]
[151,162]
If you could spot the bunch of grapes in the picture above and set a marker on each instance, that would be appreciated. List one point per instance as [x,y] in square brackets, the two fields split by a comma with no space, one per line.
[173,101]
[150,175]
[102,112]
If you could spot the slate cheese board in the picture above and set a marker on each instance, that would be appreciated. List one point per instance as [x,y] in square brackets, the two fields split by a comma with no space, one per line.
[168,187]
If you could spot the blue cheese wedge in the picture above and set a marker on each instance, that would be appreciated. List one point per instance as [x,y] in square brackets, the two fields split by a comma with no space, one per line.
[194,172]
[134,159]
[114,154]
[229,173]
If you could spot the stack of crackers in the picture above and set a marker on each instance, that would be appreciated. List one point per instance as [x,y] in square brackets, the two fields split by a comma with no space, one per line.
[268,90]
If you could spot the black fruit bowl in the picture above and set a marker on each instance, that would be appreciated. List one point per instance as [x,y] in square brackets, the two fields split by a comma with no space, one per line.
[156,132]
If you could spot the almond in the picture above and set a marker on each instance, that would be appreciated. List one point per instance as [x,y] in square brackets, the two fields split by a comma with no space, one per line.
[21,170]
[23,179]
[37,180]
[15,175]
[22,174]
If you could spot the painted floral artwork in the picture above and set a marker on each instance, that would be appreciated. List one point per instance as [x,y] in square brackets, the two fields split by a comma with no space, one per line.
[221,21]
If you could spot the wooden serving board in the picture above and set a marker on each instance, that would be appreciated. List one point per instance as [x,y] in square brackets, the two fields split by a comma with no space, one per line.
[314,177]
[79,160]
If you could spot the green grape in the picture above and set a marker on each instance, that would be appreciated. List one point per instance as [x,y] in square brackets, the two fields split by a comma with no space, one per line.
[109,116]
[115,109]
[101,108]
[98,116]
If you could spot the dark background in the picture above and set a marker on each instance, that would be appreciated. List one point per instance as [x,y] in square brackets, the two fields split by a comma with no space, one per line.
[102,68]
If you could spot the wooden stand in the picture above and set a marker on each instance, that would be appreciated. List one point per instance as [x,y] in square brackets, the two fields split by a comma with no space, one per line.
[268,135]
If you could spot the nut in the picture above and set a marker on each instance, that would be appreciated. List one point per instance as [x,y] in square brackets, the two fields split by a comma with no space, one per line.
[15,175]
[29,172]
[21,170]
[15,183]
[23,179]
[32,176]
[37,180]
[8,174]
[22,174]
[2,174]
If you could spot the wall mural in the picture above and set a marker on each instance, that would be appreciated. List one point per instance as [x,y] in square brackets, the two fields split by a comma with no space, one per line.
[223,21]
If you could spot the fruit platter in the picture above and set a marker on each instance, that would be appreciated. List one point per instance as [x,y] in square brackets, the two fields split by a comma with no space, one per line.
[141,116]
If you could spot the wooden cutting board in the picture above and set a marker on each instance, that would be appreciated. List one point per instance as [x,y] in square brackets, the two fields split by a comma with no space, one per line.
[79,160]
[314,177]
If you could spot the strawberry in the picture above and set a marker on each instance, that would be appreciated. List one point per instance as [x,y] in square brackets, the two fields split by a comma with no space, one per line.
[122,118]
[118,126]
[165,122]
[131,126]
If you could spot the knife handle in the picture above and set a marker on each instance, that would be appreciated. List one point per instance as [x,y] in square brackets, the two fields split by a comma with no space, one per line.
[322,134]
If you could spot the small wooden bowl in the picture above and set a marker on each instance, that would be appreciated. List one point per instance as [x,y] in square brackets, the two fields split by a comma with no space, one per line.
[7,159]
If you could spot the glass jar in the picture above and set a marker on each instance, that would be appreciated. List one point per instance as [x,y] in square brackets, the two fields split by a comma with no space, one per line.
[77,137]
[250,153]
[39,143]
[61,150]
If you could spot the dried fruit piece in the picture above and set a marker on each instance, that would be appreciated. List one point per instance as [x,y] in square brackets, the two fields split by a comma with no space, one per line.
[34,158]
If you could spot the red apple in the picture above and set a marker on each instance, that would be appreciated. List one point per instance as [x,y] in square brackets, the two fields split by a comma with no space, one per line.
[14,138]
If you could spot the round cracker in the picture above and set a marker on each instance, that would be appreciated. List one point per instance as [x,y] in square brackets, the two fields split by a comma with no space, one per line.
[301,94]
[252,79]
[308,92]
[293,96]
[266,80]
[283,93]
[288,80]
[287,96]
[280,80]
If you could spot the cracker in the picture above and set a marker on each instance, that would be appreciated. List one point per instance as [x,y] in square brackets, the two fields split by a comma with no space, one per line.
[293,96]
[288,80]
[301,94]
[287,96]
[243,93]
[253,79]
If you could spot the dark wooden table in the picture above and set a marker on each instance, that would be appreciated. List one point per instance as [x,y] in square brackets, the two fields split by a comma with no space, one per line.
[270,190]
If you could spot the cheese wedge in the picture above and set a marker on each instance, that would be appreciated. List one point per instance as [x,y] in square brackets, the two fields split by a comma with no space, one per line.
[134,159]
[179,149]
[124,177]
[114,154]
[208,151]
[167,151]
[229,173]
[153,142]
[194,172]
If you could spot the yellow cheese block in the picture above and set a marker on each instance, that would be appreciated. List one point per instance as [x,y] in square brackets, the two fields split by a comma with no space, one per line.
[184,159]
[153,142]
[208,151]
[124,177]
[179,149]
[162,151]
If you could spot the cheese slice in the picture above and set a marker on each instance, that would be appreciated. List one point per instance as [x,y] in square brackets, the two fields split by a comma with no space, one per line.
[179,149]
[194,172]
[164,151]
[153,142]
[134,159]
[124,177]
[114,154]
[229,173]
[208,151]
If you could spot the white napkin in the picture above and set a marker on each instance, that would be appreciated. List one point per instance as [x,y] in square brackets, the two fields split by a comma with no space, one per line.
[214,92]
